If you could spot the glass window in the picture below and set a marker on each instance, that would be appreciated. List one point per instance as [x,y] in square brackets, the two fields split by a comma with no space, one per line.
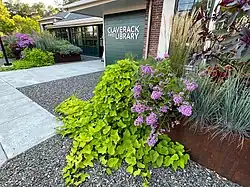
[89,31]
[184,5]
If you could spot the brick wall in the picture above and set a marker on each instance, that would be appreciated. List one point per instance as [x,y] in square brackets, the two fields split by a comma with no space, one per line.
[156,15]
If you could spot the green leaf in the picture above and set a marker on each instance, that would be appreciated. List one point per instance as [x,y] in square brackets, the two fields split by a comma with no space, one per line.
[130,169]
[112,162]
[153,155]
[137,172]
[87,149]
[186,158]
[108,170]
[111,149]
[171,151]
[106,129]
[103,160]
[131,160]
[159,161]
[102,149]
[140,165]
[174,157]
[167,161]
[181,162]
[175,166]
[115,136]
[121,124]
[120,149]
[146,159]
[137,144]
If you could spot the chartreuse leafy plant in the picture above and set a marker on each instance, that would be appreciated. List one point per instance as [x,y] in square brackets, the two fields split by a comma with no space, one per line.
[103,130]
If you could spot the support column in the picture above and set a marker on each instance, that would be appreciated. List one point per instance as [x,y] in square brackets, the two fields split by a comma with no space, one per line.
[166,26]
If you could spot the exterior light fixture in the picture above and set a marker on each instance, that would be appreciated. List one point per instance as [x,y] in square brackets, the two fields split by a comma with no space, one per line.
[7,63]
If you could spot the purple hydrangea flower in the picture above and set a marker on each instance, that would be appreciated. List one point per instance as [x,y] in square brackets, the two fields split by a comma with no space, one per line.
[164,109]
[177,99]
[186,110]
[139,108]
[190,86]
[153,138]
[156,95]
[147,70]
[152,119]
[139,120]
[137,90]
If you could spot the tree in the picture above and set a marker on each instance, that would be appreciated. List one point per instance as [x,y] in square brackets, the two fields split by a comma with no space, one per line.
[26,25]
[65,2]
[15,7]
[7,25]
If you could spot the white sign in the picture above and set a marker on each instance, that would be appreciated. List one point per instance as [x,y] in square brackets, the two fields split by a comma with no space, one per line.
[124,32]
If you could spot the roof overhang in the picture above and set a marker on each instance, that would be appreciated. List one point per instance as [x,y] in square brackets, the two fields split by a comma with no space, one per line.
[48,18]
[99,8]
[75,23]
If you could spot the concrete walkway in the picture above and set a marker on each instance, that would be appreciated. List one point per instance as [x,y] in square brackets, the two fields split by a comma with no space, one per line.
[24,123]
[21,78]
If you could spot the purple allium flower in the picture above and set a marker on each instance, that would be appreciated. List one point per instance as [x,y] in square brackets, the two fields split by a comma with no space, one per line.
[166,55]
[139,120]
[170,94]
[190,86]
[151,119]
[186,110]
[153,138]
[158,58]
[137,90]
[177,99]
[147,70]
[164,109]
[156,95]
[139,108]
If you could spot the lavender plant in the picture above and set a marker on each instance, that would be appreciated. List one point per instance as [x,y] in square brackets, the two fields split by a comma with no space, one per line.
[161,99]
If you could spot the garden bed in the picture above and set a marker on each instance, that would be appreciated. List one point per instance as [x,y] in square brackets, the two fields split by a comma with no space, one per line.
[225,157]
[67,58]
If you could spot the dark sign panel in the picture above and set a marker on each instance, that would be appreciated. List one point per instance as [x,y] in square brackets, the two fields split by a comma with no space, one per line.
[124,34]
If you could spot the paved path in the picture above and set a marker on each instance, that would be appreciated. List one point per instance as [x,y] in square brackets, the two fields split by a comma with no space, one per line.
[24,123]
[21,78]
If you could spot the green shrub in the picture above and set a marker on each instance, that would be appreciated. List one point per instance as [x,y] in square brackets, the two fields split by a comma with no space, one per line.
[34,58]
[48,42]
[1,54]
[102,129]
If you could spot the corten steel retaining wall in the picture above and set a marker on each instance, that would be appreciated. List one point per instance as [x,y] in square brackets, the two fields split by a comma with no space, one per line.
[156,14]
[225,157]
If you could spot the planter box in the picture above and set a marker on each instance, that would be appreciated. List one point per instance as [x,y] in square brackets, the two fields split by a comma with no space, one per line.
[225,157]
[67,58]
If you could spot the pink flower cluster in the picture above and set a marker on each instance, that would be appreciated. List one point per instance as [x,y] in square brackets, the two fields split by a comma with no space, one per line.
[23,41]
[156,100]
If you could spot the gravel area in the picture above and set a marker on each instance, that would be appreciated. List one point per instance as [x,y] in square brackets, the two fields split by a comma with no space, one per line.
[50,94]
[41,166]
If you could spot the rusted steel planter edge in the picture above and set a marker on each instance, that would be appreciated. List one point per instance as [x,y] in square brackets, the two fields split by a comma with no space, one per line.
[225,156]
